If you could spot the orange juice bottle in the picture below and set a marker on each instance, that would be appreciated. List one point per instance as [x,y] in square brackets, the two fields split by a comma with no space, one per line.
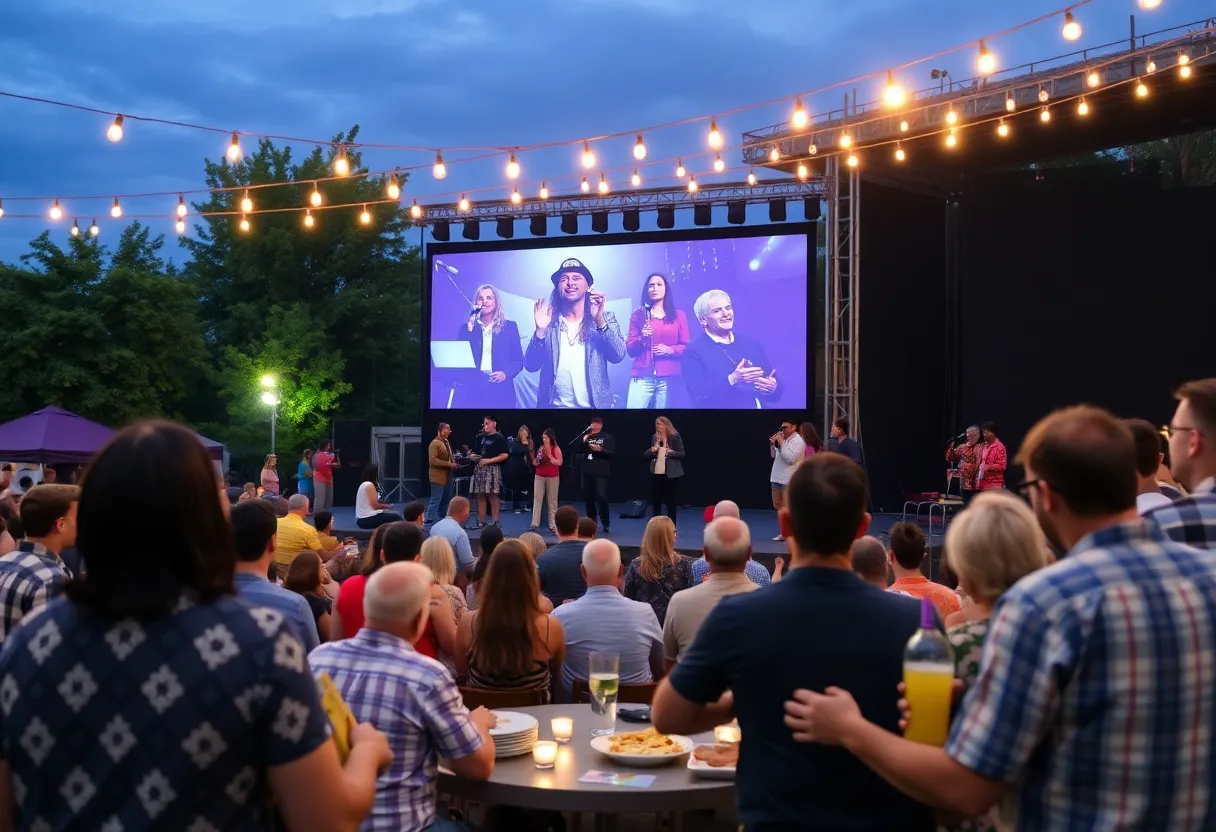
[928,680]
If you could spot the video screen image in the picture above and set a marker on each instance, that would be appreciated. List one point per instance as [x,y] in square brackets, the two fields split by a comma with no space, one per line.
[706,324]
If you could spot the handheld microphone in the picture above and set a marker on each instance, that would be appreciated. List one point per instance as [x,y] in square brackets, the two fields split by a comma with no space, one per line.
[476,311]
[446,267]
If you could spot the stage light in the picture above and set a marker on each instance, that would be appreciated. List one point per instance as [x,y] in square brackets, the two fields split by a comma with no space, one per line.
[680,171]
[894,95]
[703,214]
[505,227]
[416,211]
[512,168]
[309,222]
[1071,29]
[463,205]
[471,230]
[803,173]
[751,177]
[719,165]
[1083,107]
[1,207]
[800,118]
[951,139]
[570,221]
[736,212]
[986,63]
[441,231]
[246,203]
[1184,71]
[1149,5]
[1093,79]
[315,196]
[341,163]
[811,208]
[544,191]
[692,184]
[1151,66]
[852,160]
[114,134]
[244,226]
[812,149]
[899,153]
[75,230]
[1043,96]
[181,206]
[394,187]
[1010,104]
[1045,115]
[631,219]
[1141,89]
[1002,129]
[903,126]
[366,216]
[776,210]
[56,212]
[588,156]
[774,155]
[440,170]
[115,209]
[94,230]
[846,141]
[234,148]
[636,179]
[585,186]
[538,226]
[516,197]
[180,226]
[951,116]
[639,148]
[715,137]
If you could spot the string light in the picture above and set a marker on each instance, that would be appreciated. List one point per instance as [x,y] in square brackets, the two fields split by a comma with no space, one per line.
[903,126]
[636,179]
[1093,79]
[182,210]
[1151,66]
[719,165]
[1,207]
[846,141]
[800,118]
[75,230]
[774,155]
[516,197]
[114,134]
[751,177]
[986,62]
[603,186]
[692,185]
[1149,5]
[1045,115]
[1043,96]
[715,137]
[1141,89]
[639,148]
[366,216]
[585,186]
[234,148]
[512,168]
[463,205]
[852,160]
[544,191]
[440,170]
[180,226]
[309,222]
[416,211]
[1002,129]
[1183,58]
[341,163]
[1072,29]
[56,212]
[894,95]
[244,224]
[315,196]
[394,187]
[1083,107]
[1010,104]
[951,116]
[588,156]
[951,139]
[94,230]
[803,173]
[115,209]
[899,153]
[1184,71]
[246,203]
[812,149]
[680,172]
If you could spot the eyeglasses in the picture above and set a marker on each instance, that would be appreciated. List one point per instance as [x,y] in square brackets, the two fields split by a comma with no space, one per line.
[1172,429]
[1022,489]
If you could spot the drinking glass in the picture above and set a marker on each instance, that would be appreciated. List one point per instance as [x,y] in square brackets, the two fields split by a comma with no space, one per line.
[604,682]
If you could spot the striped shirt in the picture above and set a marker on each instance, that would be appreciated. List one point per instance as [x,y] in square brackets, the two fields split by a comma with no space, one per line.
[1190,520]
[30,576]
[415,702]
[1094,699]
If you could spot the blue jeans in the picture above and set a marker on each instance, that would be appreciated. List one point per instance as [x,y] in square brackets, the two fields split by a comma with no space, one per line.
[647,393]
[437,505]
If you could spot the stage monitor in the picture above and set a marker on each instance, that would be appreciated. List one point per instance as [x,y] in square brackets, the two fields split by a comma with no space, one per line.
[709,320]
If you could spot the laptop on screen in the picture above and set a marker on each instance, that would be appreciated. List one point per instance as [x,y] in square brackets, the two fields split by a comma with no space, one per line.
[452,355]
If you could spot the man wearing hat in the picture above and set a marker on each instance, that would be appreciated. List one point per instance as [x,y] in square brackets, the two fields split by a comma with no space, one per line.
[574,341]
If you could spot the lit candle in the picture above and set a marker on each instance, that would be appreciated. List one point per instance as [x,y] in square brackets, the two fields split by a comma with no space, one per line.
[563,728]
[544,753]
[727,733]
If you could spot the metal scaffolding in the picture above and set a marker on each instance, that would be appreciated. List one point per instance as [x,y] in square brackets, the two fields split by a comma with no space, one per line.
[841,299]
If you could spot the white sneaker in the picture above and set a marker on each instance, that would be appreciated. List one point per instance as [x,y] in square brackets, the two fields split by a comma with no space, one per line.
[778,537]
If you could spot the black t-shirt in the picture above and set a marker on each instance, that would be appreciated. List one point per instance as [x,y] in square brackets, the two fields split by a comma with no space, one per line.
[852,636]
[596,451]
[490,445]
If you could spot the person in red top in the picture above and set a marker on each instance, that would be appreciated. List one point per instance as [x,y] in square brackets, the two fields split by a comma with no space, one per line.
[992,460]
[658,334]
[548,477]
[323,462]
[905,551]
[967,455]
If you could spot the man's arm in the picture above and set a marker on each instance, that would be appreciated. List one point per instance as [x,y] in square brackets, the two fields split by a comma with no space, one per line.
[671,713]
[464,551]
[612,345]
[515,354]
[791,448]
[694,697]
[537,353]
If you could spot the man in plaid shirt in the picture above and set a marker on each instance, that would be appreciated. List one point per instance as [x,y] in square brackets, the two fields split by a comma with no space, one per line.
[1094,704]
[33,573]
[1192,519]
[411,698]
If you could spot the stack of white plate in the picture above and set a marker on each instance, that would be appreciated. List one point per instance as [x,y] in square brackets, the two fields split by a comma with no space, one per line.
[515,733]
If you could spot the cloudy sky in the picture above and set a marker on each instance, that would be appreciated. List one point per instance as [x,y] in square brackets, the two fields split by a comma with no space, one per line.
[452,73]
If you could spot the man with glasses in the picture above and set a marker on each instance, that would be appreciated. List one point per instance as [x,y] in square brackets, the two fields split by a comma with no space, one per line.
[1192,519]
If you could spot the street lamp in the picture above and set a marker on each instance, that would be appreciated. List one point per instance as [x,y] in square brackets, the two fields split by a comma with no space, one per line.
[270,397]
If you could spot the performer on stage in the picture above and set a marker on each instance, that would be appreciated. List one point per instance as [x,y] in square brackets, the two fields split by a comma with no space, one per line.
[574,341]
[992,460]
[787,450]
[967,457]
[441,463]
[492,452]
[658,336]
[725,368]
[598,449]
[666,466]
[841,443]
[496,348]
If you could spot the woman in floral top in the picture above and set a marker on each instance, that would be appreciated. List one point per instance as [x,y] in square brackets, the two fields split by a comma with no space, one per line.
[658,572]
[967,455]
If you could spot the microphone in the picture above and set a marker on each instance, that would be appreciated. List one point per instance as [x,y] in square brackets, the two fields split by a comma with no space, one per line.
[476,311]
[446,267]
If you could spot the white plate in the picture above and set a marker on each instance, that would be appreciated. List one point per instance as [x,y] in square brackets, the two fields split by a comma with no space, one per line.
[708,772]
[513,722]
[601,745]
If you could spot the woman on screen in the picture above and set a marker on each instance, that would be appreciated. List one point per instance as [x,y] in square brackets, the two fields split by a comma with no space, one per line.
[496,349]
[658,334]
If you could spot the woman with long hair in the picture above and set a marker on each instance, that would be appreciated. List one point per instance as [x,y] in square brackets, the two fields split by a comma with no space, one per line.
[658,335]
[370,512]
[437,555]
[519,468]
[270,476]
[810,437]
[304,578]
[304,478]
[207,675]
[508,643]
[496,349]
[659,572]
[547,479]
[666,455]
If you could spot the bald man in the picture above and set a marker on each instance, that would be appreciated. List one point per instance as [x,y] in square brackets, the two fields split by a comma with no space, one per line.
[869,558]
[604,621]
[726,508]
[727,551]
[411,698]
[755,573]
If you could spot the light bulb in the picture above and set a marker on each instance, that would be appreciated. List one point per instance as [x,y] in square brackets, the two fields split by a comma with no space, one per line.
[416,211]
[800,118]
[1184,71]
[341,163]
[1072,29]
[244,224]
[440,170]
[636,179]
[903,126]
[544,191]
[719,165]
[1043,96]
[1093,79]
[315,196]
[180,226]
[1002,129]
[75,230]
[463,205]
[680,172]
[1010,104]
[803,172]
[365,217]
[246,204]
[1,208]
[951,117]
[1151,66]
[812,149]
[1141,90]
[639,148]
[1149,5]
[56,211]
[774,155]
[394,187]
[94,230]
[846,141]
[512,168]
[516,197]
[603,186]
[986,63]
[182,210]
[234,148]
[692,184]
[585,186]
[1183,58]
[113,133]
[894,94]
[115,209]
[899,154]
[1045,115]
[309,222]
[715,137]
[588,156]
[852,160]
[751,177]
[951,139]
[1083,107]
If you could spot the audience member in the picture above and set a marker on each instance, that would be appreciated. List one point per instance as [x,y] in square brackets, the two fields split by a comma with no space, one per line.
[727,549]
[604,621]
[560,568]
[451,529]
[1148,460]
[249,492]
[34,573]
[490,537]
[535,543]
[295,535]
[869,559]
[906,554]
[1192,519]
[842,632]
[587,529]
[304,579]
[436,555]
[414,700]
[659,571]
[415,513]
[755,572]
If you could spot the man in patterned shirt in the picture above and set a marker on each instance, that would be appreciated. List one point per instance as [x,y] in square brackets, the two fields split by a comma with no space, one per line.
[33,573]
[1192,519]
[411,698]
[1093,704]
[755,572]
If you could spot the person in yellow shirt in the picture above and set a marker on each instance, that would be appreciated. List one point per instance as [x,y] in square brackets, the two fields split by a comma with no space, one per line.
[295,536]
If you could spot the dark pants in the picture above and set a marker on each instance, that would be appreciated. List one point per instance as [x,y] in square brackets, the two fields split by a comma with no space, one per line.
[595,492]
[441,495]
[378,520]
[663,492]
[968,496]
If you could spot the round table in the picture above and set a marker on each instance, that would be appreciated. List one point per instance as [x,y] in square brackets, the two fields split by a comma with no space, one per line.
[517,781]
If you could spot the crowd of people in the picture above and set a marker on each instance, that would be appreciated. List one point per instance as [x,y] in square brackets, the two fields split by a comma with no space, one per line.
[170,679]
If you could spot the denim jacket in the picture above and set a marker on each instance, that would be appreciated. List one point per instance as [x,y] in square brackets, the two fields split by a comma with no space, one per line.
[603,346]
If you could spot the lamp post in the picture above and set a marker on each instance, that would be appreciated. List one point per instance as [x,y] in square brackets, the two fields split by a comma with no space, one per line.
[270,396]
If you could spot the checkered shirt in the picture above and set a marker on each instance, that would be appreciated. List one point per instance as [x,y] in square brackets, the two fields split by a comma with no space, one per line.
[1190,520]
[756,573]
[1095,694]
[30,576]
[415,702]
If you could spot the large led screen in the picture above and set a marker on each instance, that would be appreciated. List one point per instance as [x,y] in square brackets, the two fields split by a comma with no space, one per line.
[707,324]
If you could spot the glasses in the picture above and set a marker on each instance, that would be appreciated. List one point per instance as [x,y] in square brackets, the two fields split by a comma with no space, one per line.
[1172,429]
[1022,489]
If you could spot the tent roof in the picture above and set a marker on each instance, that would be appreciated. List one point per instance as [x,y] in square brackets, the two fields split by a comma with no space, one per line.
[53,435]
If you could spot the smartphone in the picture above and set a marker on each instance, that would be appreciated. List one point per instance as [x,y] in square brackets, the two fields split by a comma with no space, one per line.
[660,443]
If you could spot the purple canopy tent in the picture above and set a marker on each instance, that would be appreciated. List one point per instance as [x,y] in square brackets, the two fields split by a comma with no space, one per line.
[54,436]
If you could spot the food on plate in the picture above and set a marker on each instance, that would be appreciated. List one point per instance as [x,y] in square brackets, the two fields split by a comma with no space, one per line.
[720,755]
[649,742]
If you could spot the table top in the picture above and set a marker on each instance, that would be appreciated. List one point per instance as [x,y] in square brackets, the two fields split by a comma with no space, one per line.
[517,781]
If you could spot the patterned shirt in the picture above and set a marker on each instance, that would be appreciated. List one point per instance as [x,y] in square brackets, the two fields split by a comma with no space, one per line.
[1190,520]
[1094,698]
[674,577]
[416,703]
[30,576]
[992,461]
[756,573]
[968,643]
[166,724]
[968,459]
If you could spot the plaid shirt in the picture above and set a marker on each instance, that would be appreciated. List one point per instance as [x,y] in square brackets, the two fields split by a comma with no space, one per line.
[1190,520]
[1095,694]
[30,576]
[415,701]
